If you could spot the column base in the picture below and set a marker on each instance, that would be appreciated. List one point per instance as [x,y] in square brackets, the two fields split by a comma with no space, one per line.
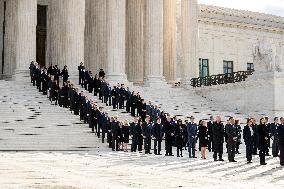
[186,83]
[114,79]
[155,82]
[21,75]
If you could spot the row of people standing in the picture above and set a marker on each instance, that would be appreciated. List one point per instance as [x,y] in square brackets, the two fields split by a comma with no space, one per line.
[117,96]
[162,126]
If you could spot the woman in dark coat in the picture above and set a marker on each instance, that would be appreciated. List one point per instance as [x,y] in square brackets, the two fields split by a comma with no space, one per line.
[179,138]
[248,138]
[203,138]
[125,135]
[262,140]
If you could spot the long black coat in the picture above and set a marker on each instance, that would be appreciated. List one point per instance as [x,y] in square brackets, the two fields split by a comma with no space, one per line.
[218,132]
[248,135]
[203,136]
[179,135]
[157,131]
[281,134]
[262,134]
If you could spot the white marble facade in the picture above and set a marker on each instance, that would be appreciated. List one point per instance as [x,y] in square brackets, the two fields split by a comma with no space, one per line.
[141,41]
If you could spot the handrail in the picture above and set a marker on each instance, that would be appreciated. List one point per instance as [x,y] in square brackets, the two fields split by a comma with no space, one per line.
[220,79]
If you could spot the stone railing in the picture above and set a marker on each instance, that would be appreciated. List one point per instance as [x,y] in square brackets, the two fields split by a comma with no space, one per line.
[220,79]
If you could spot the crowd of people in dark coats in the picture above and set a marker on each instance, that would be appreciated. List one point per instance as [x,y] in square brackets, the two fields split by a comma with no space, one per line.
[150,124]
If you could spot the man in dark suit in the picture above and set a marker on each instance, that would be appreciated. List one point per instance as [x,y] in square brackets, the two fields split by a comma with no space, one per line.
[281,140]
[210,134]
[263,137]
[274,136]
[81,69]
[146,128]
[105,125]
[231,131]
[157,132]
[169,133]
[218,134]
[134,134]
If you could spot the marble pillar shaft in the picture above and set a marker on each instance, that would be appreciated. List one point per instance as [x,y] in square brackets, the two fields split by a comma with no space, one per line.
[26,33]
[153,47]
[134,40]
[10,38]
[65,31]
[189,39]
[116,27]
[95,35]
[170,35]
[1,32]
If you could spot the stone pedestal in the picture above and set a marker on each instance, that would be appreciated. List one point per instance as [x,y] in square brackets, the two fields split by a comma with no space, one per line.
[65,33]
[115,39]
[153,47]
[189,40]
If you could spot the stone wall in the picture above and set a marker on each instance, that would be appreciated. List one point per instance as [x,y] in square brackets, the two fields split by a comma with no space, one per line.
[218,43]
[261,94]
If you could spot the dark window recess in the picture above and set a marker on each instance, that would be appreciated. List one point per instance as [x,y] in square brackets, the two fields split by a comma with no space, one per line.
[228,67]
[203,67]
[250,67]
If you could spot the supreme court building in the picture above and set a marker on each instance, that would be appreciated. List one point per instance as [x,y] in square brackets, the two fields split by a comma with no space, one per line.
[140,41]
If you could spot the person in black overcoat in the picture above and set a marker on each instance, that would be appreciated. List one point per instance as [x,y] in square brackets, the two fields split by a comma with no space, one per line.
[231,131]
[105,126]
[210,134]
[115,132]
[158,134]
[281,140]
[146,128]
[274,136]
[134,134]
[65,74]
[218,132]
[248,138]
[263,137]
[203,138]
[179,135]
[255,137]
[81,73]
[169,133]
[125,135]
[239,136]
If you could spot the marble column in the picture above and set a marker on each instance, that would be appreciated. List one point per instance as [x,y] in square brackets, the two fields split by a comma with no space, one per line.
[153,47]
[10,38]
[26,35]
[134,40]
[116,27]
[189,39]
[65,33]
[1,33]
[95,35]
[170,35]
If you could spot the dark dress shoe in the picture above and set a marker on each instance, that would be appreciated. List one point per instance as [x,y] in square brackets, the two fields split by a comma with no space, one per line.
[221,160]
[263,164]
